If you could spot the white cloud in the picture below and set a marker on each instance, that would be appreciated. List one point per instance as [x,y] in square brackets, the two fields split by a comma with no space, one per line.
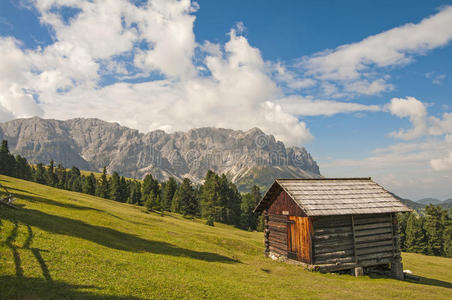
[307,106]
[228,85]
[353,66]
[422,125]
[405,168]
[442,164]
[413,109]
[192,85]
[436,78]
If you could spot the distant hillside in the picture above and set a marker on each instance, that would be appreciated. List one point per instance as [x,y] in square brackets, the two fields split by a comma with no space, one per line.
[411,204]
[420,205]
[90,144]
[66,245]
[427,201]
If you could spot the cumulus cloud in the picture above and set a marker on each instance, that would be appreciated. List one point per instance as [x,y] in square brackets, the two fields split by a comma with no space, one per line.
[163,79]
[414,110]
[422,124]
[354,67]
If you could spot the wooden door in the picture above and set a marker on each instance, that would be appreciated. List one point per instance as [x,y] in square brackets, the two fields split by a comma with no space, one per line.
[299,238]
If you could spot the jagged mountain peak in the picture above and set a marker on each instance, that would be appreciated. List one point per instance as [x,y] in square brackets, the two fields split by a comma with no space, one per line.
[245,156]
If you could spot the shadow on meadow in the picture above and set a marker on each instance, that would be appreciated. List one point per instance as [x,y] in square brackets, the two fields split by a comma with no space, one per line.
[102,235]
[20,287]
[13,287]
[47,201]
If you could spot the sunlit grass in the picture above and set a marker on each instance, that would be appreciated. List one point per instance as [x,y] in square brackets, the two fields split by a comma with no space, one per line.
[64,244]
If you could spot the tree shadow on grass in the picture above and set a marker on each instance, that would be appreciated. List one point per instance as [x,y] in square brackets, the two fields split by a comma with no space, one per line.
[105,236]
[53,202]
[12,287]
[19,190]
[431,281]
[420,280]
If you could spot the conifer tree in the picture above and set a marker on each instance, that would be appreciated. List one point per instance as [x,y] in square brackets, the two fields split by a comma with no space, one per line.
[23,169]
[51,178]
[402,219]
[61,175]
[135,193]
[184,200]
[415,240]
[447,246]
[168,193]
[115,187]
[102,186]
[76,183]
[89,184]
[149,186]
[434,225]
[249,219]
[210,198]
[40,174]
[7,160]
[124,188]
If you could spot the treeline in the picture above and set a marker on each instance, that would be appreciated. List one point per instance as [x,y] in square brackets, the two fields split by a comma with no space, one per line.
[217,200]
[429,234]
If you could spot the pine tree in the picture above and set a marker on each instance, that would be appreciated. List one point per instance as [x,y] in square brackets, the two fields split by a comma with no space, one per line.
[7,160]
[125,189]
[168,193]
[40,174]
[74,180]
[51,177]
[249,219]
[23,169]
[210,198]
[149,186]
[135,193]
[434,228]
[89,184]
[415,240]
[115,187]
[102,186]
[76,184]
[447,248]
[184,200]
[61,174]
[402,219]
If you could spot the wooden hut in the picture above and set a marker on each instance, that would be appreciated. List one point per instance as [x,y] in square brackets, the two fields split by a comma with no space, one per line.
[332,224]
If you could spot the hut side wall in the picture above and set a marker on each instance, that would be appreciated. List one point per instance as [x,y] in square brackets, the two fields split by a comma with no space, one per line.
[343,242]
[333,240]
[276,235]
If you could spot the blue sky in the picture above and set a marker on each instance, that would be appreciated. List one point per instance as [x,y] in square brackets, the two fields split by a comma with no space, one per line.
[365,86]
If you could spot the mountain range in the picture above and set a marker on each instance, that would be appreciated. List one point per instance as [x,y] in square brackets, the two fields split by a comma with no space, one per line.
[246,157]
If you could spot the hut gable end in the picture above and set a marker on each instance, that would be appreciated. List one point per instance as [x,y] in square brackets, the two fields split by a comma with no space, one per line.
[285,205]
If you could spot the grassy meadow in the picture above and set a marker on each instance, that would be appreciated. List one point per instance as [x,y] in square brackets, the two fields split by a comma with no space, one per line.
[67,245]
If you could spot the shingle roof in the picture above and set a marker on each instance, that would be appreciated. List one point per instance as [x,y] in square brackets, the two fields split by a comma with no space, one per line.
[335,196]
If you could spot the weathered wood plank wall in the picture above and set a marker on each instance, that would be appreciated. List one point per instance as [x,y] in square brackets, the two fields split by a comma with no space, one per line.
[283,204]
[277,234]
[344,241]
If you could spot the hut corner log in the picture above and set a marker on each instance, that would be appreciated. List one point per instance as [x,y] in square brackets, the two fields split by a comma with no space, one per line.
[397,270]
[358,271]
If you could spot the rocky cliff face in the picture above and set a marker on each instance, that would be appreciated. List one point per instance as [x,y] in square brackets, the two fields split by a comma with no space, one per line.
[245,157]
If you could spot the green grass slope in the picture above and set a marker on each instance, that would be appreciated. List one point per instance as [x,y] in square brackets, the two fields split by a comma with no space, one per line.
[66,245]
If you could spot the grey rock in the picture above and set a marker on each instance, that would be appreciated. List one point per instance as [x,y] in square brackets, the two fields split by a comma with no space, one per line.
[244,156]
